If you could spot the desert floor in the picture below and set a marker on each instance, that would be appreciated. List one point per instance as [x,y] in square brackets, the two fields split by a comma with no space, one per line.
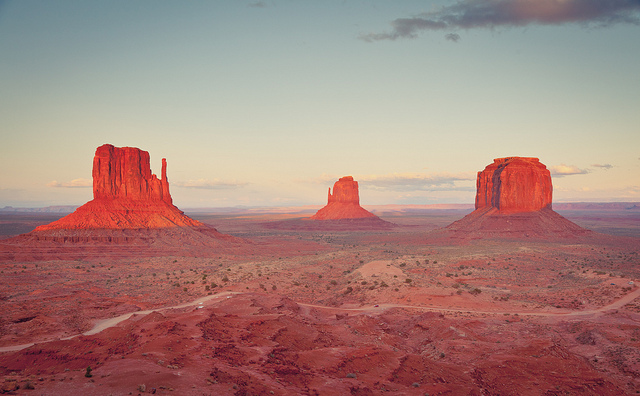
[321,311]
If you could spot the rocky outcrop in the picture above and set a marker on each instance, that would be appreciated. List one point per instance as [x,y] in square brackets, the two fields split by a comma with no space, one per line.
[125,173]
[514,185]
[513,201]
[126,195]
[344,203]
[345,190]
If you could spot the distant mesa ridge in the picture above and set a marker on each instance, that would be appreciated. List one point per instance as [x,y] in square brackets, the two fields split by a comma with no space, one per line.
[344,203]
[514,200]
[126,195]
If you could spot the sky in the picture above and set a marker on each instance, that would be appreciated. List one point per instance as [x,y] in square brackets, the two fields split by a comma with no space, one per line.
[268,103]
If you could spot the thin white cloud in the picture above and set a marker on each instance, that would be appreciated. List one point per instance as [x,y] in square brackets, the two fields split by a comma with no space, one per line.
[567,170]
[603,166]
[417,181]
[214,184]
[490,14]
[407,181]
[75,183]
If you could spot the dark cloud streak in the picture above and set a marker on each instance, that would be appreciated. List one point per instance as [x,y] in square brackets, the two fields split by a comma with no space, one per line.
[258,4]
[455,37]
[474,14]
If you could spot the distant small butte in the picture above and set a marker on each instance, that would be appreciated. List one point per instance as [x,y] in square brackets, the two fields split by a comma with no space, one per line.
[344,203]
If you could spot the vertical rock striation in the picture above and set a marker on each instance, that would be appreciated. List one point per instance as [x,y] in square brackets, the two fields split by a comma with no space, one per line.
[345,191]
[125,173]
[514,185]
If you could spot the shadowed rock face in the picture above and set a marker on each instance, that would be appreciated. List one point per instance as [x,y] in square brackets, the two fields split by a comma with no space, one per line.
[126,195]
[514,185]
[344,203]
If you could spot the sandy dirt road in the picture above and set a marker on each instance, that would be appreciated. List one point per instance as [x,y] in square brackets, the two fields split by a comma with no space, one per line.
[107,323]
[378,308]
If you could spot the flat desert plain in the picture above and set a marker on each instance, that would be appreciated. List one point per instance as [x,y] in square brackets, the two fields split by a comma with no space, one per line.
[323,311]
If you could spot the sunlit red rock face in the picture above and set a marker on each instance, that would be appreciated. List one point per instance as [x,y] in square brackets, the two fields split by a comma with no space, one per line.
[513,200]
[344,203]
[126,195]
[125,173]
[513,185]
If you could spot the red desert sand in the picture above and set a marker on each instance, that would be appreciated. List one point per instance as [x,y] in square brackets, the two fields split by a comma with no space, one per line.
[490,305]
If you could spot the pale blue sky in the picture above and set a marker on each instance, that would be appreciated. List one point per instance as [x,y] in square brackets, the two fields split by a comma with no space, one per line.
[268,103]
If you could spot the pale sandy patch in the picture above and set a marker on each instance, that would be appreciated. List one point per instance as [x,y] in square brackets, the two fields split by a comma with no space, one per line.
[379,267]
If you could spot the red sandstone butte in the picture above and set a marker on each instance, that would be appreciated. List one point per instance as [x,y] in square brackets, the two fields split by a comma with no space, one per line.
[514,185]
[126,195]
[344,203]
[513,200]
